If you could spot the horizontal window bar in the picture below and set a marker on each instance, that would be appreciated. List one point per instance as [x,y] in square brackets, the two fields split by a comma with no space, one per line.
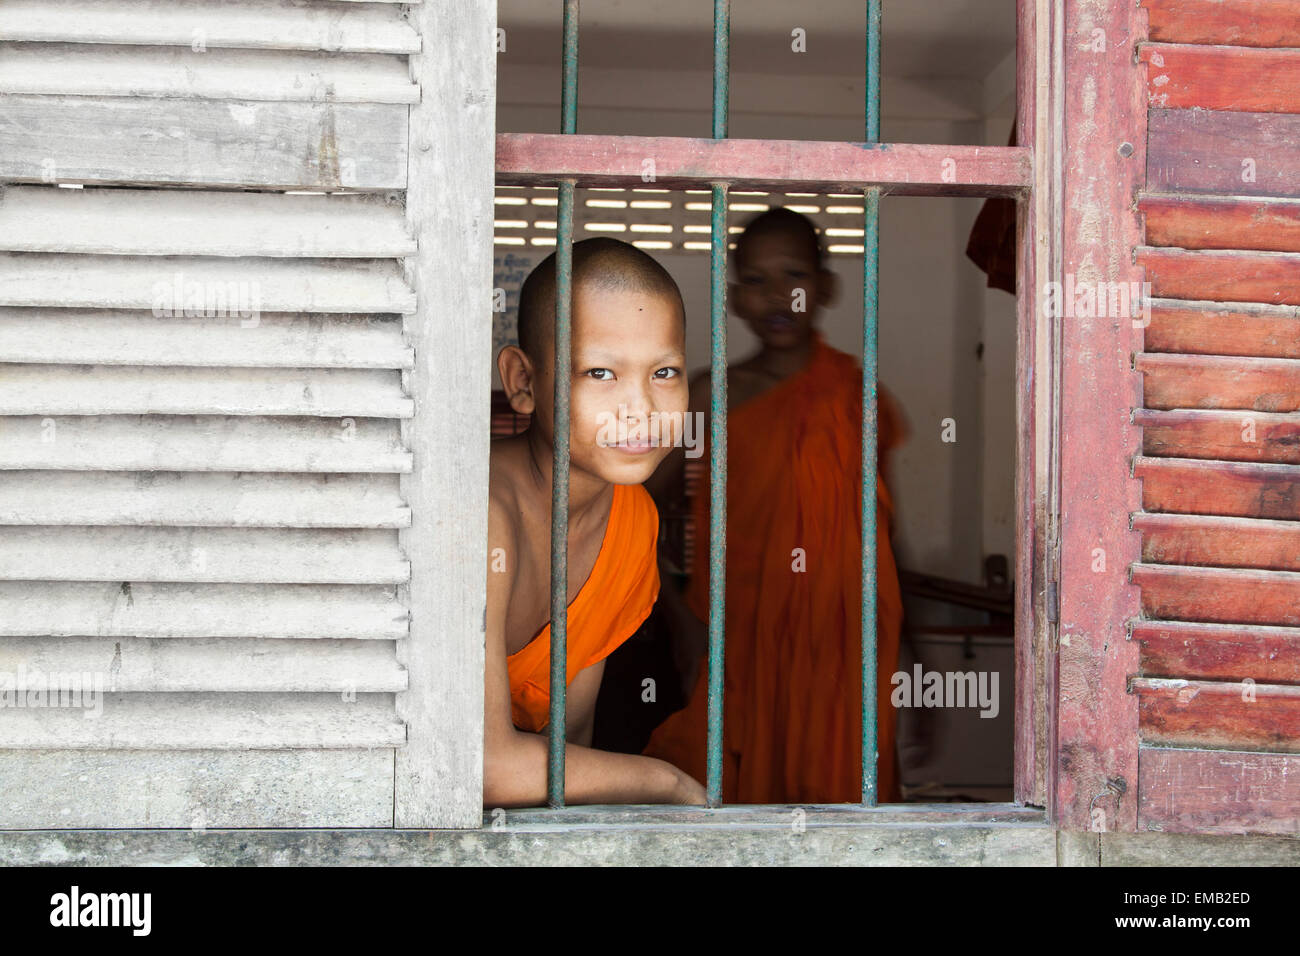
[900,169]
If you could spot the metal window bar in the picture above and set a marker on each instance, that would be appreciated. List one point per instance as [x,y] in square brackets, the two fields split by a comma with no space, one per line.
[557,729]
[718,417]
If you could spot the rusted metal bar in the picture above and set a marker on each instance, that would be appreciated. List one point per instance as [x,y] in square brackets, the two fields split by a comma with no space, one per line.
[557,727]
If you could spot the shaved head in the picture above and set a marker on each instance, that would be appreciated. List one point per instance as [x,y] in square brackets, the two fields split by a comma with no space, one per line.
[602,263]
[785,222]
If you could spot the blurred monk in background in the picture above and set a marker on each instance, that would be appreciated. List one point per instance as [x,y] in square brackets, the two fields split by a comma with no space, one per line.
[793,687]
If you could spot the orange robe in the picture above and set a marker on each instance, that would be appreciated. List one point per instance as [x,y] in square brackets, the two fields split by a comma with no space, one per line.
[613,602]
[792,695]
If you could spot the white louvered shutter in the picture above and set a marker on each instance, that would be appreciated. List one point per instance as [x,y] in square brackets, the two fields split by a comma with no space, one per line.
[207,408]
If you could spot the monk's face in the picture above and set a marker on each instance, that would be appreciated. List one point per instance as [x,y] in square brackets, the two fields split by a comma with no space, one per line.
[779,288]
[629,389]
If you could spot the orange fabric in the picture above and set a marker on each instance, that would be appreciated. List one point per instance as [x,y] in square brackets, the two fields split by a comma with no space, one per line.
[793,698]
[613,602]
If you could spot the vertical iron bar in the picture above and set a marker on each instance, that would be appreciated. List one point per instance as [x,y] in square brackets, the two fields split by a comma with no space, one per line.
[870,359]
[718,412]
[569,89]
[721,66]
[873,71]
[557,729]
[717,488]
[560,496]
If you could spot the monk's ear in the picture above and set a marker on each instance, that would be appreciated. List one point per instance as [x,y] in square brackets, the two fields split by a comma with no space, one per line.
[517,378]
[828,287]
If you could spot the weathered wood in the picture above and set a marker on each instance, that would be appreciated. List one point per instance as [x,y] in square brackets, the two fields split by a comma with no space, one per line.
[81,69]
[180,286]
[1253,80]
[124,390]
[229,664]
[1222,222]
[1229,153]
[1244,489]
[1223,652]
[197,499]
[160,611]
[193,790]
[278,339]
[1184,791]
[171,222]
[1218,541]
[192,555]
[220,721]
[1104,107]
[1223,435]
[439,774]
[202,24]
[1237,22]
[1038,128]
[1223,276]
[683,163]
[327,146]
[1219,715]
[1217,381]
[1215,328]
[1218,595]
[182,443]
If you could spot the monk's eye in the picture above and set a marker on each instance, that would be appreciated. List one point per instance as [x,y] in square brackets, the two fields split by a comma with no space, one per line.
[600,374]
[668,372]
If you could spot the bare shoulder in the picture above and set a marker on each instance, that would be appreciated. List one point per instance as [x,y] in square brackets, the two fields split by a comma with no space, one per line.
[503,499]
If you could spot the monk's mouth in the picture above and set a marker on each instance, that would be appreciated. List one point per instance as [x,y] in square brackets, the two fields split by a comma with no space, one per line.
[637,447]
[778,322]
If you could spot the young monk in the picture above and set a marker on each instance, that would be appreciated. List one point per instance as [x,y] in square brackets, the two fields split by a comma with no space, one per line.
[793,695]
[628,349]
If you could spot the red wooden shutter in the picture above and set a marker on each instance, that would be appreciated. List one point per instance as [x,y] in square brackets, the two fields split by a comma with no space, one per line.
[1218,670]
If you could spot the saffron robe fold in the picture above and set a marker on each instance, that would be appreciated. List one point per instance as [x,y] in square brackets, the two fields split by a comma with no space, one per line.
[792,695]
[612,603]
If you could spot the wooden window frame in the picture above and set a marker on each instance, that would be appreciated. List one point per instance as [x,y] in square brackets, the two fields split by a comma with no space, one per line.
[439,781]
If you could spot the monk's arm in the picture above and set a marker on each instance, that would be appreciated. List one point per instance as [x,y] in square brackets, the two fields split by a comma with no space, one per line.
[514,762]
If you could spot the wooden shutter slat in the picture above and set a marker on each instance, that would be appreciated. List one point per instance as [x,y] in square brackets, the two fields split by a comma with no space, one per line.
[152,222]
[1222,222]
[1209,433]
[1246,79]
[1228,153]
[162,611]
[278,340]
[183,285]
[228,664]
[1217,595]
[79,69]
[1239,22]
[124,390]
[220,555]
[1219,541]
[197,443]
[86,139]
[218,721]
[1215,381]
[1243,489]
[197,499]
[1219,651]
[1219,328]
[1188,713]
[1223,275]
[190,789]
[259,24]
[1199,790]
